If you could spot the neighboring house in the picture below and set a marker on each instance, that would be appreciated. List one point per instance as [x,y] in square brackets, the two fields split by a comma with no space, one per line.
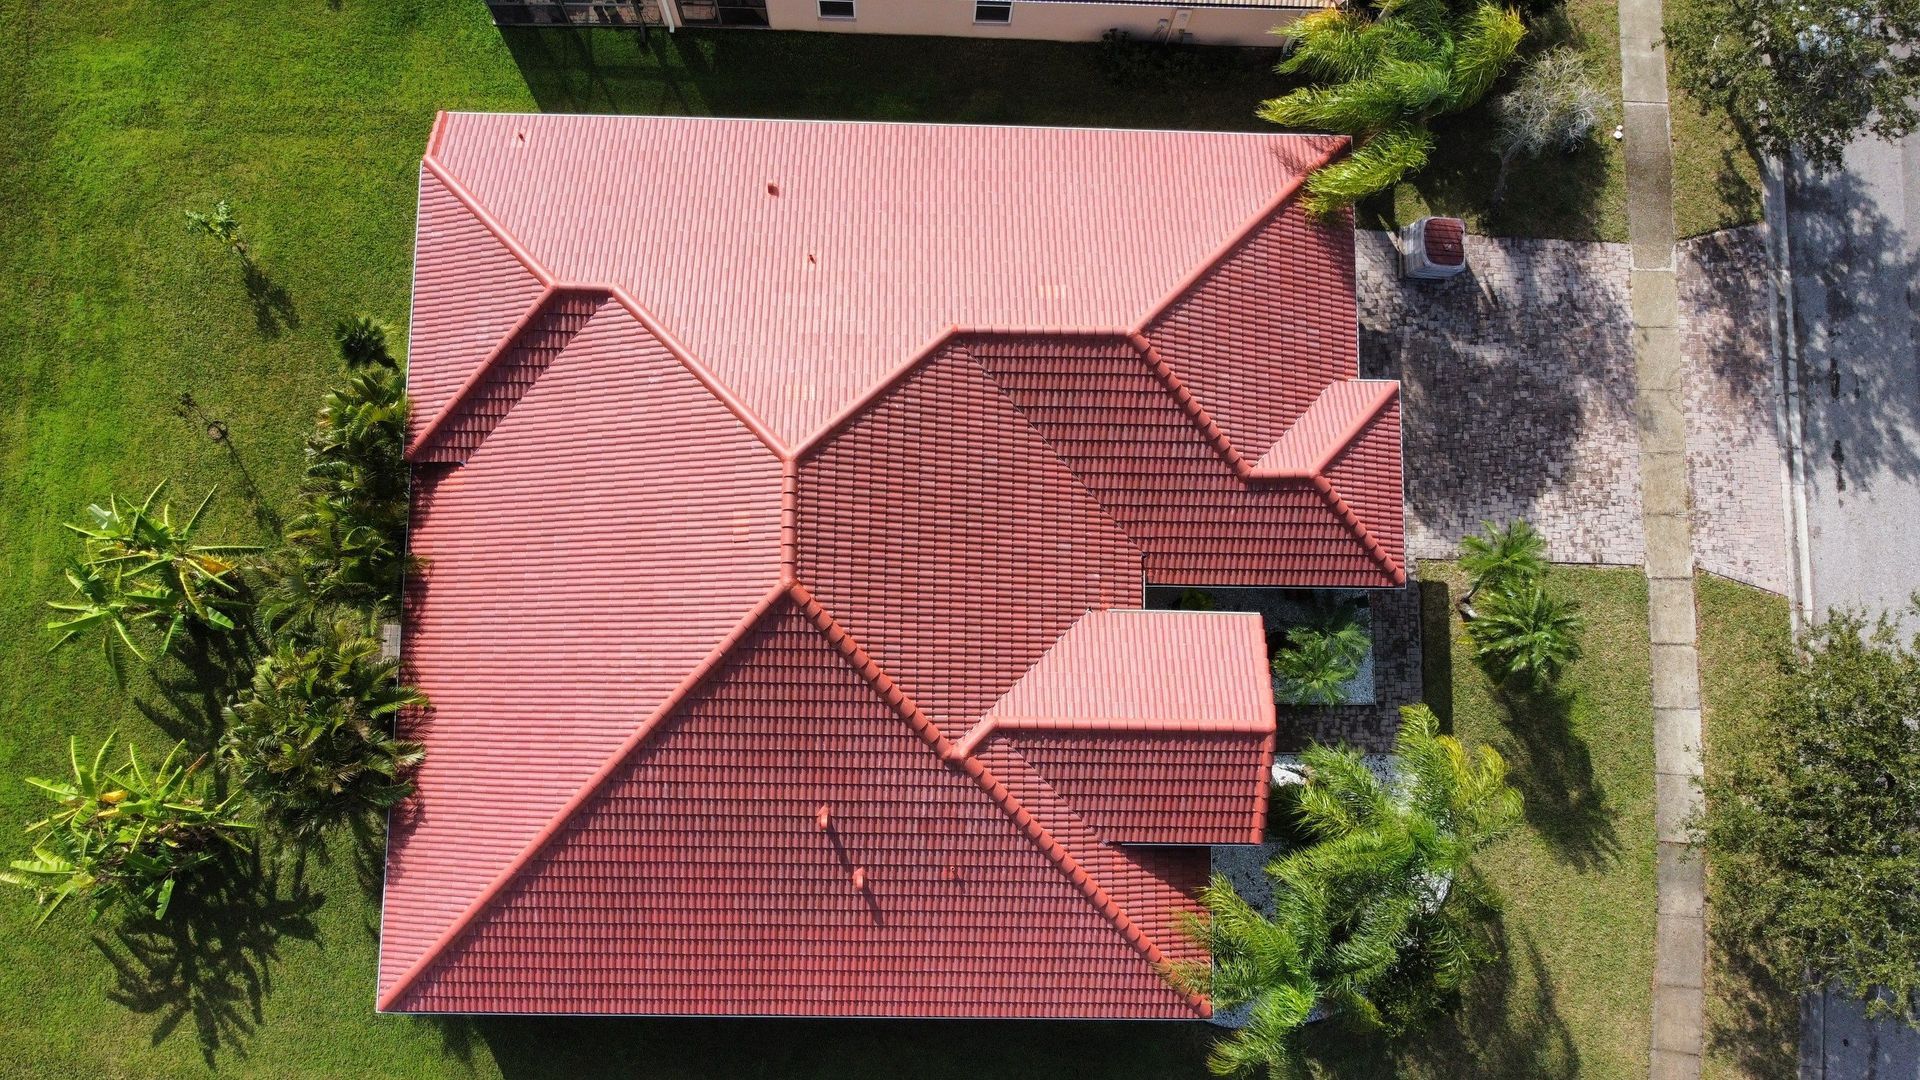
[1214,22]
[786,495]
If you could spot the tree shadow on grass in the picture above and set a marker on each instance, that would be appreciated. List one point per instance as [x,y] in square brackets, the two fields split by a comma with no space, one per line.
[273,310]
[1753,1015]
[1507,1024]
[1552,768]
[194,682]
[210,962]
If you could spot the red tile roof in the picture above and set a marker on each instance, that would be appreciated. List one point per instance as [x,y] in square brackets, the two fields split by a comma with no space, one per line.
[776,472]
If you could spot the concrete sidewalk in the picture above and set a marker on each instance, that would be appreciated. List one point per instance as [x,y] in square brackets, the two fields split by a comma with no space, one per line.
[1660,407]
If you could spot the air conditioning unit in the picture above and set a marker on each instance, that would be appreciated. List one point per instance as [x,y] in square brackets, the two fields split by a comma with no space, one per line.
[1433,248]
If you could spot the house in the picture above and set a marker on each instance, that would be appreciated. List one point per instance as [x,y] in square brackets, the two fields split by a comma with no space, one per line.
[786,494]
[1212,22]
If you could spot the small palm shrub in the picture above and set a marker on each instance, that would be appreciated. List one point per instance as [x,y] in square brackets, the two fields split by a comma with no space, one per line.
[312,737]
[1524,634]
[1378,916]
[363,342]
[140,570]
[125,836]
[1501,556]
[1317,661]
[346,546]
[1383,73]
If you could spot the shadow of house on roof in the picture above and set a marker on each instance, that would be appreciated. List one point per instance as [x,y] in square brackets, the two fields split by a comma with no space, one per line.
[835,481]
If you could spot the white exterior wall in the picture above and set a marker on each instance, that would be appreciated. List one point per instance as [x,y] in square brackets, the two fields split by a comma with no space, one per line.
[1040,21]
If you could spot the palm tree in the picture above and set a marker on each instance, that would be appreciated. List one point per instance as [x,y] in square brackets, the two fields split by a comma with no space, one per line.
[1378,915]
[1319,660]
[1500,556]
[346,545]
[124,836]
[1523,633]
[1385,71]
[312,737]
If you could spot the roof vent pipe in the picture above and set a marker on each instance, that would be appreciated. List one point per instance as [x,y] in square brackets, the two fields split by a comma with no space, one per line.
[824,818]
[859,879]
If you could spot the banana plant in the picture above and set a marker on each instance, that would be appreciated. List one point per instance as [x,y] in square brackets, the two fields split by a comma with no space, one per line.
[140,569]
[126,836]
[114,612]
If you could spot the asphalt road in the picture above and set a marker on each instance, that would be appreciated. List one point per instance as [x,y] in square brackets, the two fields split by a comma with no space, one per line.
[1855,243]
[1854,238]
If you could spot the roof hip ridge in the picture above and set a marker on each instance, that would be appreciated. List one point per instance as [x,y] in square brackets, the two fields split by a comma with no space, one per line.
[668,705]
[487,221]
[1222,253]
[1342,440]
[998,793]
[553,286]
[1195,412]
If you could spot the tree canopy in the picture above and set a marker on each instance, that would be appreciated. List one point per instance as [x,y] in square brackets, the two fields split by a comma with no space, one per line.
[1802,76]
[1813,829]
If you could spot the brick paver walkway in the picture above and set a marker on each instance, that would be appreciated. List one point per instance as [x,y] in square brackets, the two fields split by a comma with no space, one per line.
[1736,464]
[1519,387]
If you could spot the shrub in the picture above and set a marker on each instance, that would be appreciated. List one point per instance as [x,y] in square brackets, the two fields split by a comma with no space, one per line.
[1508,555]
[1813,827]
[127,836]
[1555,106]
[1521,633]
[363,342]
[222,227]
[1378,916]
[1383,74]
[1318,660]
[312,739]
[138,569]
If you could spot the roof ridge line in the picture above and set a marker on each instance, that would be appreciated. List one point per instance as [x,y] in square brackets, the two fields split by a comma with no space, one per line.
[1375,550]
[1239,236]
[1342,441]
[668,705]
[698,370]
[466,198]
[996,792]
[546,278]
[852,410]
[548,294]
[1190,405]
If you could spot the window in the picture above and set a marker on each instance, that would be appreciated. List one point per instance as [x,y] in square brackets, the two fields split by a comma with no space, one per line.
[836,9]
[987,11]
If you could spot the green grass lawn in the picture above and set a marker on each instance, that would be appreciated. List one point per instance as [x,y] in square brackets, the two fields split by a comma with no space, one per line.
[1753,1023]
[1574,994]
[311,119]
